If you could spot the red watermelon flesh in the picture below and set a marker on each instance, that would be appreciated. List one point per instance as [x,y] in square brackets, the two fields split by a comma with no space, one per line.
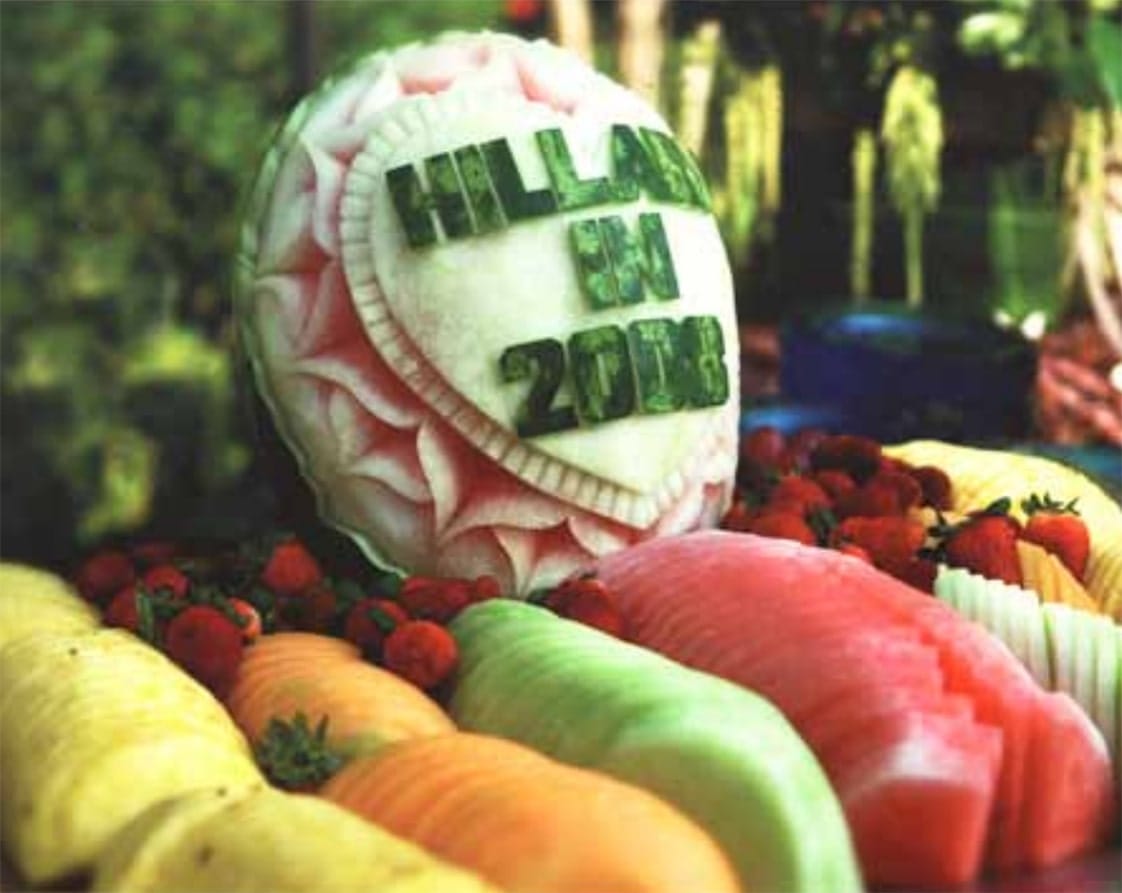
[768,605]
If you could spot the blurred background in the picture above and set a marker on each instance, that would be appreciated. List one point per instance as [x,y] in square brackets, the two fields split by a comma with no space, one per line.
[954,167]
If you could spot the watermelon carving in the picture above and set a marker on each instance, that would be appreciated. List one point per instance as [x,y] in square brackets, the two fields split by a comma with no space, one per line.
[945,753]
[490,314]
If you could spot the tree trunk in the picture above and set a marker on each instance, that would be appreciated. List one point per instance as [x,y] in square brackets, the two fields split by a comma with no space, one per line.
[641,46]
[570,26]
[863,163]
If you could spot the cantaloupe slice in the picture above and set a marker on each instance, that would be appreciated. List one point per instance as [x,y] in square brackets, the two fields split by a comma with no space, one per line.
[289,673]
[94,728]
[981,476]
[529,823]
[32,601]
[267,840]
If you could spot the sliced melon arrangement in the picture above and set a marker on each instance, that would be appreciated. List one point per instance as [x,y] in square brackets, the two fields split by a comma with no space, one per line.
[723,756]
[94,728]
[285,674]
[982,476]
[946,755]
[529,823]
[34,601]
[259,839]
[1065,649]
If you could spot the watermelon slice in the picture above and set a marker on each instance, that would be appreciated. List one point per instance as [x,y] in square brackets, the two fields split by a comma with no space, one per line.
[753,596]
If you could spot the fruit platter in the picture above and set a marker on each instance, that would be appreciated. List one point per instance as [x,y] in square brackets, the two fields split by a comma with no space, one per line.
[600,638]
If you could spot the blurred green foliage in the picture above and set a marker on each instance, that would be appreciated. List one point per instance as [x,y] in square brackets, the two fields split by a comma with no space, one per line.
[129,132]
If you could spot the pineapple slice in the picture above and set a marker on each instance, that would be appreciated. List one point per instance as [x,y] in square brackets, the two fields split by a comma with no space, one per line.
[981,476]
[266,840]
[1049,578]
[33,601]
[94,728]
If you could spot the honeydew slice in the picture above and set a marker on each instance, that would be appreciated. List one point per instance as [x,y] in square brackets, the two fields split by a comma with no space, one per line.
[34,601]
[267,840]
[725,757]
[1066,649]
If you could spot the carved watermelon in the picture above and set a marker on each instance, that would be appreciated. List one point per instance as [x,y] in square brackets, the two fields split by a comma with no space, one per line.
[488,308]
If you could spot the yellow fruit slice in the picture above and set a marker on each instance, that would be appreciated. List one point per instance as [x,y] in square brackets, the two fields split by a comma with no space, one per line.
[94,728]
[981,476]
[33,601]
[268,840]
[58,830]
[1049,578]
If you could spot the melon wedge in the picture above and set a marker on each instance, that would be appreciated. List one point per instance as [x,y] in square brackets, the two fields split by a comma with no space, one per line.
[749,596]
[34,601]
[724,757]
[264,839]
[1047,576]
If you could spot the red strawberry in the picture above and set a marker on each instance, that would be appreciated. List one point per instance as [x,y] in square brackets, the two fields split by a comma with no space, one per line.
[291,569]
[836,484]
[122,610]
[249,619]
[891,541]
[935,484]
[207,644]
[920,573]
[738,517]
[798,491]
[875,498]
[421,652]
[103,575]
[908,491]
[439,600]
[587,600]
[370,621]
[986,543]
[859,457]
[314,611]
[796,455]
[1058,528]
[484,588]
[784,526]
[763,446]
[166,576]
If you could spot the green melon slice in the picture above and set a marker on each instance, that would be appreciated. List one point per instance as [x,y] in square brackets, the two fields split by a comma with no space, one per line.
[724,756]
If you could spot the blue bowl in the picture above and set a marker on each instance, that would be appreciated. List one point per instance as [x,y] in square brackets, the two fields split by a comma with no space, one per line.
[894,374]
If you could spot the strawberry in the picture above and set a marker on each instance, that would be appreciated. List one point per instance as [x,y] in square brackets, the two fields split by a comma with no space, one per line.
[793,490]
[421,652]
[738,517]
[314,611]
[587,600]
[891,541]
[122,611]
[166,576]
[762,446]
[859,457]
[908,491]
[834,483]
[919,572]
[783,525]
[370,621]
[796,455]
[1057,527]
[103,575]
[248,619]
[875,498]
[985,543]
[484,588]
[439,600]
[207,644]
[935,484]
[291,569]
